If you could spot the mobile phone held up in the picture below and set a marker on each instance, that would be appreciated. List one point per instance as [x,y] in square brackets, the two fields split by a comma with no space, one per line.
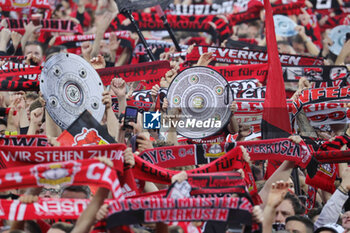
[130,116]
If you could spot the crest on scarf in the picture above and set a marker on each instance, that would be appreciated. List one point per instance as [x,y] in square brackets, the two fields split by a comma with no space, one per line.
[214,151]
[21,3]
[327,169]
[61,173]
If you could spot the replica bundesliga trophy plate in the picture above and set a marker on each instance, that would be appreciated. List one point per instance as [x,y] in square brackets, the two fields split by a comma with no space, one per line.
[70,85]
[338,35]
[284,26]
[204,97]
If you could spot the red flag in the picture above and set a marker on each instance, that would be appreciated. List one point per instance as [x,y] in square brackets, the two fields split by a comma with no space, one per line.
[275,122]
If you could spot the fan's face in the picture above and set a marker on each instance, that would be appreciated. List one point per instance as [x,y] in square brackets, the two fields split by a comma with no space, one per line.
[299,48]
[346,220]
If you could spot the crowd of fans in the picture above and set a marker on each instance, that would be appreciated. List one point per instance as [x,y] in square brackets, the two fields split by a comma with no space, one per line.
[281,209]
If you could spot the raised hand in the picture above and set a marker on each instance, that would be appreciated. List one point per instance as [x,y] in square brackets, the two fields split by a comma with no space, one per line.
[118,87]
[179,177]
[30,28]
[143,143]
[205,59]
[86,48]
[16,39]
[277,193]
[296,139]
[5,36]
[129,157]
[107,99]
[98,62]
[154,92]
[113,42]
[36,116]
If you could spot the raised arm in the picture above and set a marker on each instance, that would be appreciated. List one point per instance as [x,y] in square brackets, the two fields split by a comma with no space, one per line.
[282,173]
[275,197]
[102,23]
[87,218]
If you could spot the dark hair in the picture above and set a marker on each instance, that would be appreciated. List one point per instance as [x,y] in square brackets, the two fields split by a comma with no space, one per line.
[297,39]
[3,121]
[283,42]
[254,23]
[32,227]
[32,95]
[17,231]
[66,227]
[36,104]
[346,206]
[314,212]
[299,209]
[257,172]
[54,49]
[175,229]
[57,8]
[78,188]
[309,225]
[34,43]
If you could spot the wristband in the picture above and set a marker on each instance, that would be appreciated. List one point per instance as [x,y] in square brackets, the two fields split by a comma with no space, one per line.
[12,133]
[343,190]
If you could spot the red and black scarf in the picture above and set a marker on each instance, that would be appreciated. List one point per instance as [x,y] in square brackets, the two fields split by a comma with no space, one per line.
[24,140]
[244,56]
[48,25]
[12,156]
[198,23]
[226,209]
[77,172]
[327,172]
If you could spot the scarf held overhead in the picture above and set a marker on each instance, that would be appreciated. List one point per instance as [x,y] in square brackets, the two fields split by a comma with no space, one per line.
[79,172]
[26,78]
[12,156]
[318,95]
[14,210]
[150,73]
[278,149]
[148,210]
[24,140]
[243,56]
[198,23]
[232,160]
[48,25]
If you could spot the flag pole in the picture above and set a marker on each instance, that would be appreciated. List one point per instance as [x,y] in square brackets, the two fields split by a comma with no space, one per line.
[128,14]
[161,14]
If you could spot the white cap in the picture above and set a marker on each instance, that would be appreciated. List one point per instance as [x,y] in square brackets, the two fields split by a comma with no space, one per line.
[333,227]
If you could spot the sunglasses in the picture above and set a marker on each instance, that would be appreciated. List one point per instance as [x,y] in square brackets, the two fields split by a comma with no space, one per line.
[51,190]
